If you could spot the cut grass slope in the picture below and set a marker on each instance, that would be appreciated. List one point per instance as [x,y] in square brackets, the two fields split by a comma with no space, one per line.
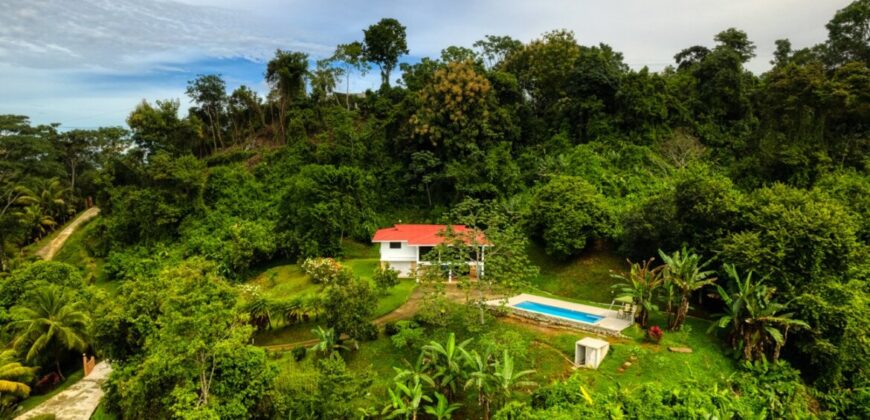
[587,278]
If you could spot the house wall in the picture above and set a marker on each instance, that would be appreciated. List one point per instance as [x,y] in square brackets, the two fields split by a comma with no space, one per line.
[405,253]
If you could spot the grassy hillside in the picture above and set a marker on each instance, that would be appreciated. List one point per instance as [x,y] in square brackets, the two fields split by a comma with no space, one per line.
[587,277]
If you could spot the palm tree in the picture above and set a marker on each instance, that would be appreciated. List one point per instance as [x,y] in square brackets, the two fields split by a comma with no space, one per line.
[685,271]
[14,376]
[328,341]
[443,409]
[259,310]
[446,362]
[755,320]
[480,376]
[641,286]
[49,195]
[507,380]
[35,220]
[296,309]
[405,400]
[50,321]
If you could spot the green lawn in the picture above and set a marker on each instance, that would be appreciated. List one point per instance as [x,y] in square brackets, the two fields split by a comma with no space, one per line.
[395,297]
[357,250]
[586,278]
[362,267]
[283,281]
[707,365]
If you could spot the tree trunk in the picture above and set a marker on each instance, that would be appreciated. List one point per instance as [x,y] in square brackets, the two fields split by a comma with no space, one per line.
[347,92]
[281,122]
[682,310]
[216,123]
[643,317]
[72,180]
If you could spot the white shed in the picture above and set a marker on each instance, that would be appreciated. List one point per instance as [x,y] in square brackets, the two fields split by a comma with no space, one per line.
[589,352]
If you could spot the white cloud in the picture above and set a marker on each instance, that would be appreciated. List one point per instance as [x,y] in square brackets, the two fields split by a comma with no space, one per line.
[47,46]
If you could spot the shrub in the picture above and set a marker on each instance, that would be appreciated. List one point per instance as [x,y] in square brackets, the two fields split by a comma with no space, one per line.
[385,278]
[368,332]
[409,335]
[322,270]
[299,353]
[390,329]
[654,334]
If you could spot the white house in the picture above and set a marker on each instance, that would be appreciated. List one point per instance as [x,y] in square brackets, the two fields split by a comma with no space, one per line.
[403,246]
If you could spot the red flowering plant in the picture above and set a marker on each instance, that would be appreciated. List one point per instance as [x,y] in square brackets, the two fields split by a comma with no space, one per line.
[654,334]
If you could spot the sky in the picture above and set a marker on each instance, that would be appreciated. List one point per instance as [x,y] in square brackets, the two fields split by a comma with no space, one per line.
[87,63]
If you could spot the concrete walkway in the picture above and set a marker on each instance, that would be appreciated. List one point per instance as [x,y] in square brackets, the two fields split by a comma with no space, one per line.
[78,401]
[47,252]
[81,399]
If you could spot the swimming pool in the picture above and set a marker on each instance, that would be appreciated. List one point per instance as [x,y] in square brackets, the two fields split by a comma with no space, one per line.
[558,312]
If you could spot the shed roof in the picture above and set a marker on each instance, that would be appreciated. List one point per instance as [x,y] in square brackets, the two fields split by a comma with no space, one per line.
[593,343]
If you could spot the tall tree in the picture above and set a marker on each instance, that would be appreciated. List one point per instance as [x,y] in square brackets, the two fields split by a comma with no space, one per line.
[158,128]
[495,49]
[324,80]
[209,93]
[286,73]
[849,35]
[246,114]
[384,44]
[352,57]
[84,152]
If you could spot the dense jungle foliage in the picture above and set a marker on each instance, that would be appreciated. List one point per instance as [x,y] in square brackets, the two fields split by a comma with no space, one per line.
[752,190]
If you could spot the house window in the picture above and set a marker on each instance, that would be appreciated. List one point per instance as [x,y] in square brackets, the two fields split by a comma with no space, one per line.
[424,250]
[395,245]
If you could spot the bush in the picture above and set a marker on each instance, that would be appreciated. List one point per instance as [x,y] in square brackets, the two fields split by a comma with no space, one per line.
[385,278]
[409,335]
[299,353]
[322,270]
[390,329]
[368,332]
[654,334]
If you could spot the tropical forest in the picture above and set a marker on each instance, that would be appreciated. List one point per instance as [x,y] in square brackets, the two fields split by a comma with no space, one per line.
[225,260]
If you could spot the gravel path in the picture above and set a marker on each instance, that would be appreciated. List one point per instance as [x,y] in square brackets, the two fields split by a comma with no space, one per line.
[47,252]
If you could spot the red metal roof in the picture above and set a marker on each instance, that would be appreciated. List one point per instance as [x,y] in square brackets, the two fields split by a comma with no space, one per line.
[427,235]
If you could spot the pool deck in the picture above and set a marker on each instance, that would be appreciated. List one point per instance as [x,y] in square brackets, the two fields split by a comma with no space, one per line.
[611,324]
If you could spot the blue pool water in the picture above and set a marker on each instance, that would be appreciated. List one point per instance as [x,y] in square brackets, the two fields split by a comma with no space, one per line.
[559,312]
